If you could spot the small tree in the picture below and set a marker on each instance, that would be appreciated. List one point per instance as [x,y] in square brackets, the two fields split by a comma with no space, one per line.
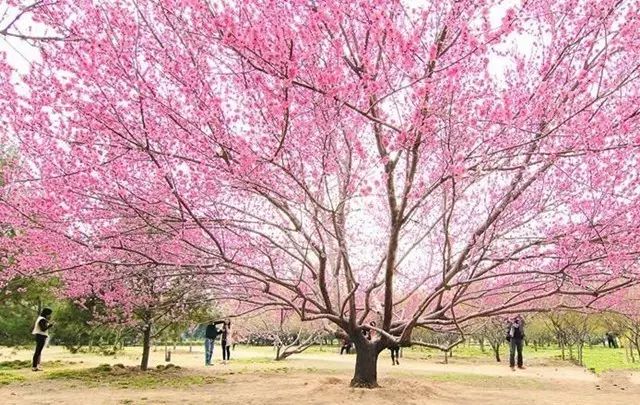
[494,331]
[572,329]
[538,333]
[285,331]
[21,299]
[445,341]
[156,303]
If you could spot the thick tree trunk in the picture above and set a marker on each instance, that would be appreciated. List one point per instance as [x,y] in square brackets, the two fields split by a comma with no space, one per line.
[366,374]
[146,347]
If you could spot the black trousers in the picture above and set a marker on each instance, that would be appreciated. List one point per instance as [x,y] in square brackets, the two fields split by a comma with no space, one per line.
[515,346]
[226,351]
[40,341]
[395,354]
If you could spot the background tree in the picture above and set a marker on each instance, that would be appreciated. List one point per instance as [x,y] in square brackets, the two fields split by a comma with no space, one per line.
[20,303]
[494,331]
[287,333]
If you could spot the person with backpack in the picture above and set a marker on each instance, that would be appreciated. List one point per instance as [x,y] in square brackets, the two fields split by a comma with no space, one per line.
[515,337]
[210,335]
[41,333]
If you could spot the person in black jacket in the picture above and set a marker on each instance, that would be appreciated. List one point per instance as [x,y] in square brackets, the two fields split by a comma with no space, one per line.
[346,345]
[515,337]
[41,333]
[210,335]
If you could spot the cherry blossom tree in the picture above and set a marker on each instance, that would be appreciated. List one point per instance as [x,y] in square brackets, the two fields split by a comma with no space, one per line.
[423,165]
[150,301]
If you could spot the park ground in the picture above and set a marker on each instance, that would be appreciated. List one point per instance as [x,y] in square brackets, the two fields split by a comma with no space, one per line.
[318,376]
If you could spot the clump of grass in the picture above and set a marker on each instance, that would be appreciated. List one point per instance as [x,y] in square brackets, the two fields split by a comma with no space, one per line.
[118,375]
[9,378]
[167,367]
[14,364]
[19,364]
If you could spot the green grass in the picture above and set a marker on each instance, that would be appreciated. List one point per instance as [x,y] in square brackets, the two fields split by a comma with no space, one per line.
[601,359]
[598,359]
[9,378]
[14,365]
[22,364]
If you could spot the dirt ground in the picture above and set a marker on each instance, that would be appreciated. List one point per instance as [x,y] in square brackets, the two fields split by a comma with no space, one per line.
[323,378]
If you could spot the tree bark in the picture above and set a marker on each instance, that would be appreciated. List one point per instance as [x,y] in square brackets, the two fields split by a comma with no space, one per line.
[366,373]
[146,347]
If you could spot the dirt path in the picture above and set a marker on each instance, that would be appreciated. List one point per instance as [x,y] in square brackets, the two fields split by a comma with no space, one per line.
[315,389]
[323,378]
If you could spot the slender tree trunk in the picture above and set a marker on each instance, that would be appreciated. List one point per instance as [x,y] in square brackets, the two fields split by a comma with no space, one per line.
[146,347]
[496,351]
[580,346]
[366,373]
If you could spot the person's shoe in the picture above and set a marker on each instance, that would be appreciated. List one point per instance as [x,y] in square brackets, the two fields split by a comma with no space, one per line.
[513,368]
[36,369]
[521,367]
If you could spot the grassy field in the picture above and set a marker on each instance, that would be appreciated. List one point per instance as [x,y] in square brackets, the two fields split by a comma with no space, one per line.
[597,358]
[318,376]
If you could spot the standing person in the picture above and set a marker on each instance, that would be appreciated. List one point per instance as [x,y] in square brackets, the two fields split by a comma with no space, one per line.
[371,334]
[210,335]
[227,341]
[346,345]
[41,333]
[395,354]
[515,337]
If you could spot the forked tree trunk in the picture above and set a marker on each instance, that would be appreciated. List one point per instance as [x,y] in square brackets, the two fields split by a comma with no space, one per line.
[146,347]
[366,373]
[496,351]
